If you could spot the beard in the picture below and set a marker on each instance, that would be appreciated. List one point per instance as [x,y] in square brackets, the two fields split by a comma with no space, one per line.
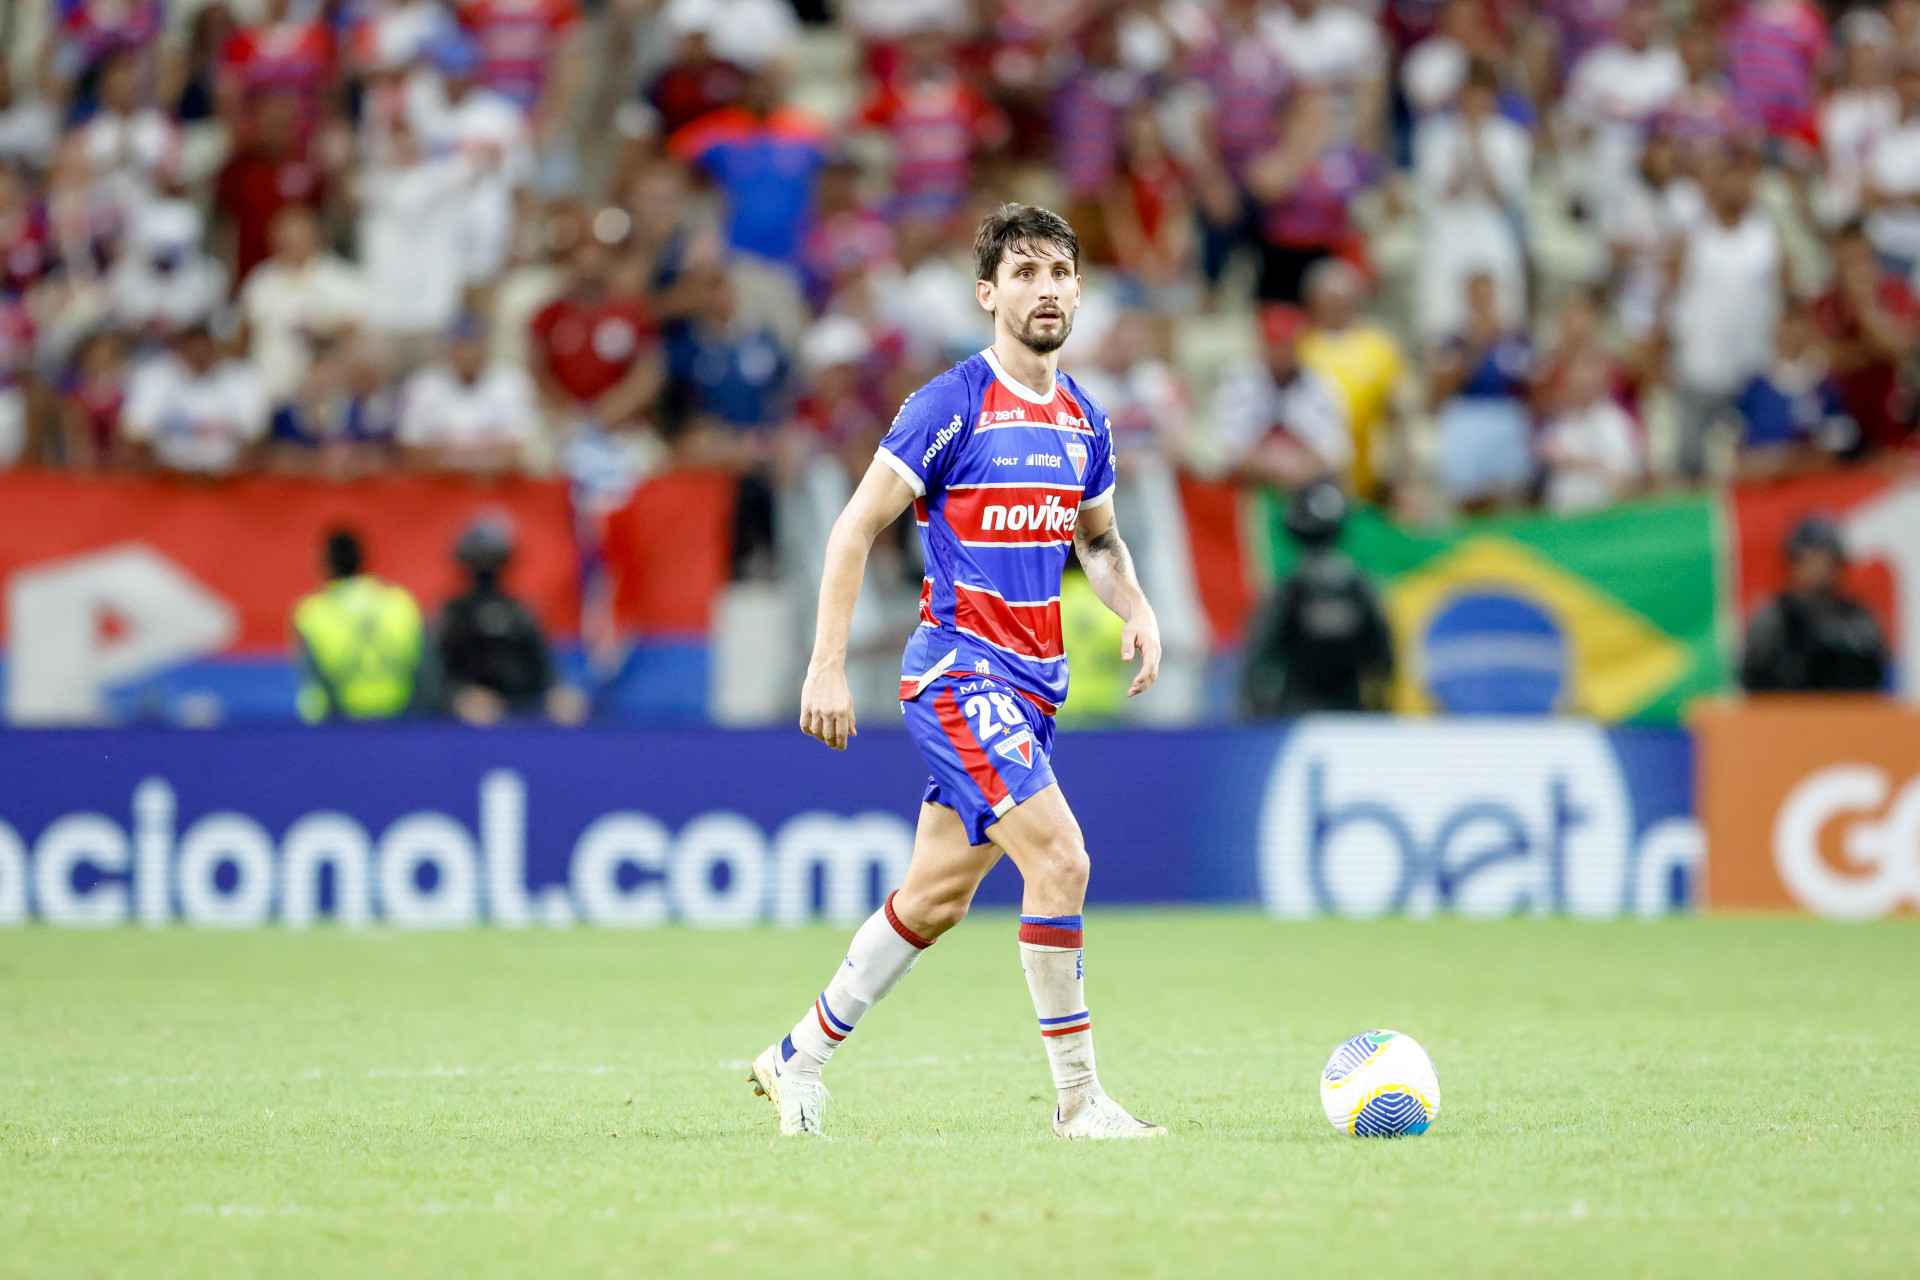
[1044,343]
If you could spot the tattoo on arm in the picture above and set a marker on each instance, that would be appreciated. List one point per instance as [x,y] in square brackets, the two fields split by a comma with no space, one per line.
[1108,544]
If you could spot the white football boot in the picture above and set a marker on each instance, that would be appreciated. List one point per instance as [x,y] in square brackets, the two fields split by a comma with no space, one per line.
[1099,1116]
[799,1100]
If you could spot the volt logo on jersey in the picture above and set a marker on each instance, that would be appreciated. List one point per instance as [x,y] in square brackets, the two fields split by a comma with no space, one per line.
[1077,452]
[1018,746]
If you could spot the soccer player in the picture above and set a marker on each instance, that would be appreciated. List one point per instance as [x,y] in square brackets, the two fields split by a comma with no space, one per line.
[1006,462]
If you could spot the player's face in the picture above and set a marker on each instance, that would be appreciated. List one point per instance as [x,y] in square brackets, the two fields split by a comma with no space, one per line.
[1033,296]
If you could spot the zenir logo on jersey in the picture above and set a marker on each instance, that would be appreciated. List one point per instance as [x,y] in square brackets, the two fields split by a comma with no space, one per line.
[1078,452]
[1018,746]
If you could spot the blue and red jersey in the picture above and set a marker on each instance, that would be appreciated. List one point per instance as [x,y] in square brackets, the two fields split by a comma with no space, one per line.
[1000,476]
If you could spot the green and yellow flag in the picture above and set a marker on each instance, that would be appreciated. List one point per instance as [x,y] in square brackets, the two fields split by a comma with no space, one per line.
[1610,615]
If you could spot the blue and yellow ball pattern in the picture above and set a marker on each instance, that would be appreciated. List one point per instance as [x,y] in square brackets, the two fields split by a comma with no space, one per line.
[1380,1084]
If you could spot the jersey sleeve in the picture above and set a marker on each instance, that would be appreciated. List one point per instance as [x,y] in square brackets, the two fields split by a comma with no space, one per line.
[1099,486]
[920,441]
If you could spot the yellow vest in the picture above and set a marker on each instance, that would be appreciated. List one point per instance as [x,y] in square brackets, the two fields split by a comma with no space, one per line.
[363,639]
[1090,632]
[1364,361]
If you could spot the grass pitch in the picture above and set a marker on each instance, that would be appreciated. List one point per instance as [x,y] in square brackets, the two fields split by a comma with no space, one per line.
[1698,1098]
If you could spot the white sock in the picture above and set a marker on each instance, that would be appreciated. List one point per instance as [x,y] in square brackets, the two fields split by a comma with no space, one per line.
[879,956]
[1051,955]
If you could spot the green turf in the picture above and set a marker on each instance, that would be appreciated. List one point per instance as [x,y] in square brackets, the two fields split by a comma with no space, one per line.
[1700,1098]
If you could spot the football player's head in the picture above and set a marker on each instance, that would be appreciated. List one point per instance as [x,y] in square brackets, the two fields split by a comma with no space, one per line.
[1028,263]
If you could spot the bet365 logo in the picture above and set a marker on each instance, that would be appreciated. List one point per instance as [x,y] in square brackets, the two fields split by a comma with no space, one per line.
[1882,852]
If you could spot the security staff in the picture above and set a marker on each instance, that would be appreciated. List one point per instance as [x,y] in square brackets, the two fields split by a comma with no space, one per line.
[1321,641]
[1811,637]
[360,641]
[493,656]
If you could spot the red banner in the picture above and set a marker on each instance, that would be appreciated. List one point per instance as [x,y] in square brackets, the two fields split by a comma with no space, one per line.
[253,545]
[1877,511]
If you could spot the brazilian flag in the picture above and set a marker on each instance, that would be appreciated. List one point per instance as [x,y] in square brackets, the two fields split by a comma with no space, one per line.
[1610,615]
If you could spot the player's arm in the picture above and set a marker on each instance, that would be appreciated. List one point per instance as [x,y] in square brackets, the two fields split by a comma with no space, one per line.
[1110,573]
[826,704]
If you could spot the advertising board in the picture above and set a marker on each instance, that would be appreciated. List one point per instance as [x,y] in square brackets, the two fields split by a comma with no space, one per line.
[1812,804]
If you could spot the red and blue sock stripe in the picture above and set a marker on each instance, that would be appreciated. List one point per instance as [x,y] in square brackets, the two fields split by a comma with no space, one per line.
[836,1030]
[1081,1021]
[1051,931]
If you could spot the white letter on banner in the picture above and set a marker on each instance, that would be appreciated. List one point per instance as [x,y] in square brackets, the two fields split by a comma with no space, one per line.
[321,839]
[845,849]
[218,838]
[153,852]
[610,842]
[13,877]
[68,842]
[708,842]
[503,835]
[433,839]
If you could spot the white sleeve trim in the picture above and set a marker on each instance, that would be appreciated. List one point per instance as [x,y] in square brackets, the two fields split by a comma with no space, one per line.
[905,472]
[1104,496]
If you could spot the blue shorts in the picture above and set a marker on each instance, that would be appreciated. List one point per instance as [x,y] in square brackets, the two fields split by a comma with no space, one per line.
[987,748]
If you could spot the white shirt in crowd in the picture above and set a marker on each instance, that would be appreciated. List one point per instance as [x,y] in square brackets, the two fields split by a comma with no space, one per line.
[162,276]
[747,33]
[1723,312]
[1645,222]
[1893,172]
[489,131]
[1470,229]
[1249,405]
[1613,93]
[440,409]
[196,422]
[284,305]
[1852,122]
[1596,457]
[1433,73]
[1336,47]
[410,227]
[128,153]
[29,131]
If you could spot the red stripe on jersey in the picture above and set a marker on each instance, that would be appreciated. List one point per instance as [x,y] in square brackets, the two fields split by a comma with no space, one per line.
[971,756]
[1032,630]
[926,602]
[1014,515]
[920,510]
[999,405]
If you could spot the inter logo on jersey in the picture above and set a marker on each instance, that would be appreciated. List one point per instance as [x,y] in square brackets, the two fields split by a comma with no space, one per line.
[1078,453]
[1018,746]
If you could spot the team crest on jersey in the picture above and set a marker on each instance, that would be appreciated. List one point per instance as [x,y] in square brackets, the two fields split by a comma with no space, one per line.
[1018,746]
[982,668]
[1078,452]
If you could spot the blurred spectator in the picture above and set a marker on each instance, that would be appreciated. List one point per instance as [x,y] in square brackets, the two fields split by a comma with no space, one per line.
[1320,642]
[285,53]
[1435,71]
[750,33]
[462,413]
[1480,380]
[132,147]
[163,280]
[1278,421]
[1870,319]
[91,397]
[199,73]
[694,84]
[1472,168]
[493,656]
[936,122]
[412,214]
[29,126]
[764,157]
[1892,195]
[456,114]
[1775,49]
[16,379]
[340,421]
[359,641]
[1149,219]
[1615,91]
[191,409]
[1590,447]
[1726,298]
[847,234]
[269,172]
[1862,108]
[1305,188]
[91,32]
[1360,358]
[297,297]
[1794,412]
[841,412]
[527,53]
[596,355]
[1337,49]
[1089,112]
[1643,219]
[1812,637]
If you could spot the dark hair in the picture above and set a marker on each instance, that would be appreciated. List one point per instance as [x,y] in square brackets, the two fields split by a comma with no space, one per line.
[1013,225]
[1482,75]
[344,556]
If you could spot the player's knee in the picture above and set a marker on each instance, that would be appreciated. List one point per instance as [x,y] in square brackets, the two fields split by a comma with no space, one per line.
[1066,863]
[932,913]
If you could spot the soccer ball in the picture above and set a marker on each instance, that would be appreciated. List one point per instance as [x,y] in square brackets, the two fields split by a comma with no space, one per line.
[1380,1084]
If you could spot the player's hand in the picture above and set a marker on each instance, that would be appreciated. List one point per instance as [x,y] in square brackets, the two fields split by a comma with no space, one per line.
[826,706]
[1142,633]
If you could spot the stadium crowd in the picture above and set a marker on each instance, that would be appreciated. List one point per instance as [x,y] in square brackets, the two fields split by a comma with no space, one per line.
[1459,254]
